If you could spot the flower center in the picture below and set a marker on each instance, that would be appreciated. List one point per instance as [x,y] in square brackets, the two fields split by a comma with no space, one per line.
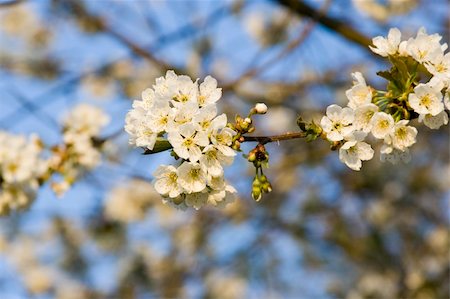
[384,124]
[401,133]
[181,98]
[201,100]
[194,173]
[426,100]
[188,142]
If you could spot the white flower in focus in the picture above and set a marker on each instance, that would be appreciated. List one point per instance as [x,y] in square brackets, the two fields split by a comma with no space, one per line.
[338,122]
[166,181]
[221,136]
[148,98]
[213,159]
[426,99]
[402,135]
[182,114]
[360,94]
[440,68]
[184,91]
[425,48]
[187,142]
[205,116]
[353,151]
[192,177]
[160,116]
[139,127]
[434,122]
[382,124]
[363,116]
[165,87]
[387,46]
[209,93]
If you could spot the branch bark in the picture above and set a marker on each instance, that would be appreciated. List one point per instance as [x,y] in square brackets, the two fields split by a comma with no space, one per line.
[275,138]
[301,8]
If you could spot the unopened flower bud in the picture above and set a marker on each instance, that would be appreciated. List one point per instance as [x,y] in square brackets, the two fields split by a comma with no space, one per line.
[251,156]
[248,120]
[266,187]
[261,108]
[256,194]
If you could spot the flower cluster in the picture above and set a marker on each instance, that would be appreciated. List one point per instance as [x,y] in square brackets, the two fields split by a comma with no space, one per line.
[181,115]
[81,148]
[21,168]
[26,164]
[418,88]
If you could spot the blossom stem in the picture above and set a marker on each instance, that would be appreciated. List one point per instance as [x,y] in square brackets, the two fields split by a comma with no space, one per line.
[274,138]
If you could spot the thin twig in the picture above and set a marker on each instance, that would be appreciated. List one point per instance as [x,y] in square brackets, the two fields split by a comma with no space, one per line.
[274,138]
[338,26]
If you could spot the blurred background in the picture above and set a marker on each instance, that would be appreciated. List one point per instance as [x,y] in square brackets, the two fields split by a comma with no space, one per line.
[324,232]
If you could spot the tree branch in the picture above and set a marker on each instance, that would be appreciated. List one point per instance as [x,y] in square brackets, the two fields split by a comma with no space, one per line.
[274,138]
[346,31]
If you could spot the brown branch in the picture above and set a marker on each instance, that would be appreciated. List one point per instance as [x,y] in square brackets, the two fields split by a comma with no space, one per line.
[288,49]
[274,138]
[345,30]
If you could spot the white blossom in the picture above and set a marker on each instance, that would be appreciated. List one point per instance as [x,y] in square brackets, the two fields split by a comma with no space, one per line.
[434,122]
[205,117]
[355,150]
[187,141]
[221,136]
[426,99]
[184,91]
[212,160]
[209,93]
[338,122]
[440,68]
[166,181]
[363,117]
[382,124]
[360,94]
[387,46]
[159,116]
[402,136]
[192,177]
[425,48]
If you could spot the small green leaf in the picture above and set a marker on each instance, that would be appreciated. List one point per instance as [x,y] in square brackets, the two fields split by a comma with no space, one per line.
[386,75]
[161,145]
